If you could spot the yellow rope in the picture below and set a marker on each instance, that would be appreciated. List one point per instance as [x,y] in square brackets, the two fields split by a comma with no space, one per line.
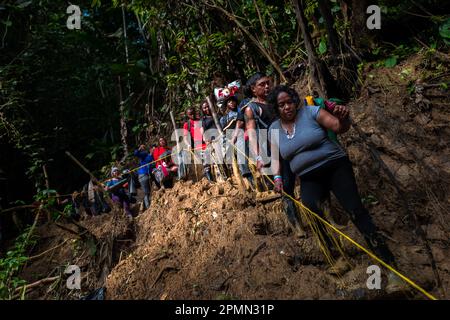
[328,225]
[368,252]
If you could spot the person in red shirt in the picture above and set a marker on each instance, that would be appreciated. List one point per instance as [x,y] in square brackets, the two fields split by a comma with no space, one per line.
[165,168]
[159,150]
[192,131]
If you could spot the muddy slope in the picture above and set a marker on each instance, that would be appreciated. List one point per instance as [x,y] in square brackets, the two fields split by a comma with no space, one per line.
[203,241]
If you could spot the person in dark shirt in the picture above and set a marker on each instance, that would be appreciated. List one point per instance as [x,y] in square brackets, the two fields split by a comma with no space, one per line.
[209,134]
[258,114]
[116,187]
[229,122]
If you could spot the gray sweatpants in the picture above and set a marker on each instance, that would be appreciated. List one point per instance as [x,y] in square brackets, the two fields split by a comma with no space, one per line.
[145,182]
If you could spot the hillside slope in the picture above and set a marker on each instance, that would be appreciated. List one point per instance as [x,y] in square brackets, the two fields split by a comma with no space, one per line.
[213,241]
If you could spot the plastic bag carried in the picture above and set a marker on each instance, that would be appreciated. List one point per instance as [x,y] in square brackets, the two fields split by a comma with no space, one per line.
[230,89]
[98,294]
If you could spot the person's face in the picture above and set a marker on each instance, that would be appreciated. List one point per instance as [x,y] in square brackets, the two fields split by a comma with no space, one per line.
[190,114]
[205,109]
[231,105]
[262,87]
[115,174]
[162,142]
[286,106]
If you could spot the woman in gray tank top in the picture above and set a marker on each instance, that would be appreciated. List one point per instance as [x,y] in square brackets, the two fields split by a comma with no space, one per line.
[322,165]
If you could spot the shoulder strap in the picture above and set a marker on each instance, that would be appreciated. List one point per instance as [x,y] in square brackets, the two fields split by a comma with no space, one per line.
[254,107]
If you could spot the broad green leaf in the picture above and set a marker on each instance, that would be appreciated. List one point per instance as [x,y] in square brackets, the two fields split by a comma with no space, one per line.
[390,62]
[444,30]
[322,47]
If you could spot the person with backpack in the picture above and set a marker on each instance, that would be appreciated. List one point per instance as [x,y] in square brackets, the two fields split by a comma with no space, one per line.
[146,166]
[258,114]
[164,166]
[230,122]
[322,165]
[116,187]
[193,137]
[92,199]
[207,130]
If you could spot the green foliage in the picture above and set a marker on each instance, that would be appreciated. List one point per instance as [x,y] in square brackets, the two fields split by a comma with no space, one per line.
[391,62]
[444,31]
[322,46]
[11,264]
[370,200]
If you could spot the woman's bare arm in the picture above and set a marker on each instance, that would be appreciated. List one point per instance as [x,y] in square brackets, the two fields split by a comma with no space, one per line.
[338,122]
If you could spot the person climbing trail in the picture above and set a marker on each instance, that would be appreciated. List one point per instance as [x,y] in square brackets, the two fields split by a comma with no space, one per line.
[323,166]
[116,187]
[146,166]
[92,199]
[229,122]
[193,138]
[207,131]
[191,131]
[259,114]
[165,168]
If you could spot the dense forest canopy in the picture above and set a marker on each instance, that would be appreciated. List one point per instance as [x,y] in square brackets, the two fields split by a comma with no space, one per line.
[110,85]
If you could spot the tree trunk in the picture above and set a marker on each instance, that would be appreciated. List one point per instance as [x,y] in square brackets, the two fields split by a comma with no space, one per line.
[333,39]
[362,36]
[314,64]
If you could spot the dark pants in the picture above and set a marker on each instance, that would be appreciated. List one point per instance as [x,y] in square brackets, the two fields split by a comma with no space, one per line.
[288,186]
[122,199]
[337,176]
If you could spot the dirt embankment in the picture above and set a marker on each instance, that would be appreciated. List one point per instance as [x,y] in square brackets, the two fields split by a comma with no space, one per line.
[213,241]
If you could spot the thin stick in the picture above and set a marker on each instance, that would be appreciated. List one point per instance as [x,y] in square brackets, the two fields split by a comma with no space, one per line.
[37,283]
[28,206]
[47,251]
[214,115]
[94,179]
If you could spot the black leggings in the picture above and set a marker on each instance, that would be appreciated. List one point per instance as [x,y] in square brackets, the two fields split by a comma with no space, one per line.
[288,186]
[337,176]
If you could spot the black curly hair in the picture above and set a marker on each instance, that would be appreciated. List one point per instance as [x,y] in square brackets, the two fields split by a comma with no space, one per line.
[273,96]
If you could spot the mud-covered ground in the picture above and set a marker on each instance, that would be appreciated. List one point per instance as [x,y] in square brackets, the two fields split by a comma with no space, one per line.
[214,241]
